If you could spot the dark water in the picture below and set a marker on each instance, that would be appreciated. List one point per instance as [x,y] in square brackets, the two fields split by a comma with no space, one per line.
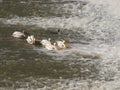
[19,61]
[45,8]
[24,66]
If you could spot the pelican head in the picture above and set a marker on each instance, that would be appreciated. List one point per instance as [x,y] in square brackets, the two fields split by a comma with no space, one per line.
[50,40]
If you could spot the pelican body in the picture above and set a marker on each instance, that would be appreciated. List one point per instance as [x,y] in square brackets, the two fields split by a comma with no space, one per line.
[44,42]
[49,45]
[63,44]
[20,35]
[31,39]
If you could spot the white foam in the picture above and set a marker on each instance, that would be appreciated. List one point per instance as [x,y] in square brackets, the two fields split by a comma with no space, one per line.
[78,51]
[77,85]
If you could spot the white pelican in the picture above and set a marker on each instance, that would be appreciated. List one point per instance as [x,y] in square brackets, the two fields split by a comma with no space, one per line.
[66,44]
[20,35]
[63,44]
[31,39]
[52,47]
[60,44]
[49,47]
[45,42]
[56,46]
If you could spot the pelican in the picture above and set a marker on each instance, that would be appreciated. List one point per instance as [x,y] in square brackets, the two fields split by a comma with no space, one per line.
[56,46]
[45,42]
[31,39]
[49,44]
[20,35]
[52,47]
[66,44]
[63,44]
[49,47]
[60,44]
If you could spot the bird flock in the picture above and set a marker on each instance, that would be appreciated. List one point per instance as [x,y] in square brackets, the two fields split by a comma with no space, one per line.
[46,43]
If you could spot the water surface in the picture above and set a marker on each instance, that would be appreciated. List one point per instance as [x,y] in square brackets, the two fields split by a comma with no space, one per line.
[90,28]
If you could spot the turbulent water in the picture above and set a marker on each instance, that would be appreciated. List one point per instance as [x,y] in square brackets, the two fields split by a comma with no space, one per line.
[90,26]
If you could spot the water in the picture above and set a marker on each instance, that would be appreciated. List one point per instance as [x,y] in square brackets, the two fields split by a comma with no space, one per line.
[91,28]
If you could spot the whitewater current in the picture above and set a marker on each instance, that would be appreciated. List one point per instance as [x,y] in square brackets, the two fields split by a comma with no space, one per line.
[93,30]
